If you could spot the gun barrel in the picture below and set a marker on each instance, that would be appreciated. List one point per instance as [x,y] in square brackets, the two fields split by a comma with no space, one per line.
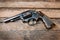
[11,19]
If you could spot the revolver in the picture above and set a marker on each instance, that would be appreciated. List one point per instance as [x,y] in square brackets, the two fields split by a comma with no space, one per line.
[31,17]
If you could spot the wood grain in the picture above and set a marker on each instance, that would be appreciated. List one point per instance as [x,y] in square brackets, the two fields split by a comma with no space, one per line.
[11,12]
[29,35]
[30,4]
[19,25]
[20,31]
[26,0]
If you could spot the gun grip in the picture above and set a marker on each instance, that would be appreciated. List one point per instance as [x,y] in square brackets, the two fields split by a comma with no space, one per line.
[48,23]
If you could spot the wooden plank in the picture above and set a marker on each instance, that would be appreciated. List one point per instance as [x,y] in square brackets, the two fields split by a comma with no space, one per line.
[19,25]
[20,31]
[30,35]
[57,0]
[30,4]
[12,12]
[26,0]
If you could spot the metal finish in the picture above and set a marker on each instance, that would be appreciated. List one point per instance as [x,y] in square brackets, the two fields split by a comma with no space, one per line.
[31,17]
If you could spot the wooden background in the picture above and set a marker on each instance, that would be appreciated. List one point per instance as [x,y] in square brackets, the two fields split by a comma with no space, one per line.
[22,31]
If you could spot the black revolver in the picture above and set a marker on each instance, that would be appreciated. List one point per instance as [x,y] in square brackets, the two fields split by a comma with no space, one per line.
[31,17]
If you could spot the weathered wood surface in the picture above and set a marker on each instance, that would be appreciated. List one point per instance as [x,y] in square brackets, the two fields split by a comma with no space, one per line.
[20,31]
[30,4]
[28,0]
[11,12]
[18,25]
